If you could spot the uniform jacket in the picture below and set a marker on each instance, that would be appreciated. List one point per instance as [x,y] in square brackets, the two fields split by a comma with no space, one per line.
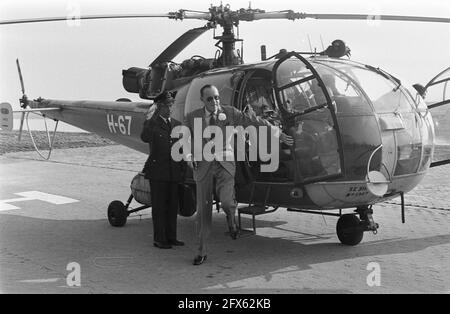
[233,117]
[160,165]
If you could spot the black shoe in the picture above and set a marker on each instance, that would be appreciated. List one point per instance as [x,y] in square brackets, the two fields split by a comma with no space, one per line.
[198,260]
[162,245]
[176,243]
[234,232]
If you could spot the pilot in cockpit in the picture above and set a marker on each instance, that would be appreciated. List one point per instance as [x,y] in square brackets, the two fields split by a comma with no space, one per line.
[317,91]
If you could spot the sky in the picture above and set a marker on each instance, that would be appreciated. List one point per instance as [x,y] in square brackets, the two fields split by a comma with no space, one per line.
[61,61]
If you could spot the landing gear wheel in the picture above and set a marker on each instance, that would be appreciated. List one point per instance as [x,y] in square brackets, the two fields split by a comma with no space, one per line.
[117,214]
[349,230]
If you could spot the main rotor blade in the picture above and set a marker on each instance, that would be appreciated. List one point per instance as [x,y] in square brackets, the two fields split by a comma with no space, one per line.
[179,44]
[20,77]
[440,163]
[291,15]
[375,17]
[86,17]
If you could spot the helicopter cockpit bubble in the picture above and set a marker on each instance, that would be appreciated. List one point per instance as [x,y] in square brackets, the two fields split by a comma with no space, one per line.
[353,123]
[397,111]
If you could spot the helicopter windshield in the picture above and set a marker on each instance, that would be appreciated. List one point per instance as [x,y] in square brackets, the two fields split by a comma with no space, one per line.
[397,112]
[384,94]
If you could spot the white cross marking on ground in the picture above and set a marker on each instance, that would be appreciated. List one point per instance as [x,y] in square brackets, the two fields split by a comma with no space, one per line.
[40,280]
[35,195]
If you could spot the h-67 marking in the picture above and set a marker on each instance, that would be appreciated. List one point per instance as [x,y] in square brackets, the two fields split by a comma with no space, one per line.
[121,122]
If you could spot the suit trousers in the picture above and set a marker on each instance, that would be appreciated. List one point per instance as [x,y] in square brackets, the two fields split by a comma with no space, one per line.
[164,210]
[224,187]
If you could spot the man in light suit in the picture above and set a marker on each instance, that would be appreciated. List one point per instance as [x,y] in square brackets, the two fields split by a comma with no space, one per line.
[221,168]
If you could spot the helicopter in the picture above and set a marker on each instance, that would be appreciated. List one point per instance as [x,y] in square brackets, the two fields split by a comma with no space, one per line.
[360,136]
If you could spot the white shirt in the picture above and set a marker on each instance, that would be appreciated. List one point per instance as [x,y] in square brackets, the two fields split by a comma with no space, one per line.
[208,115]
[165,120]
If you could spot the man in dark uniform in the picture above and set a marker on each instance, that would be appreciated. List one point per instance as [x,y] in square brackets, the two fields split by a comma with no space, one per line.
[164,173]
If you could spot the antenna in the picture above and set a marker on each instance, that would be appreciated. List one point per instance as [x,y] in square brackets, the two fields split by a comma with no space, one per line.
[310,47]
[263,53]
[321,41]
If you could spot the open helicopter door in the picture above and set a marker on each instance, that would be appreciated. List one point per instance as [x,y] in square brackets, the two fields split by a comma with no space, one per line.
[437,95]
[309,116]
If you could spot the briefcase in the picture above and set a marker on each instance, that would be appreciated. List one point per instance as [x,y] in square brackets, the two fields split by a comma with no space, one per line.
[186,198]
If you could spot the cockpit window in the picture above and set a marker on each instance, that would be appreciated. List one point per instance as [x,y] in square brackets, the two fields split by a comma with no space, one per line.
[290,71]
[299,90]
[385,95]
[347,97]
[303,96]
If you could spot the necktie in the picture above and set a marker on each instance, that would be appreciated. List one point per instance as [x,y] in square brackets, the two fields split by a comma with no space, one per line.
[212,121]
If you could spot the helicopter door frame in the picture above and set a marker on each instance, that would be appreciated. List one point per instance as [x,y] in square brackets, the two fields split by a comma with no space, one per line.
[434,82]
[287,117]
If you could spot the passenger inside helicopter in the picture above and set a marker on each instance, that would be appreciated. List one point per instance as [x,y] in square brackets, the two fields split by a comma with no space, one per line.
[258,100]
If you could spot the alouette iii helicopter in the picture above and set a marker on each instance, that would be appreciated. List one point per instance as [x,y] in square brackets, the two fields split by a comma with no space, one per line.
[360,136]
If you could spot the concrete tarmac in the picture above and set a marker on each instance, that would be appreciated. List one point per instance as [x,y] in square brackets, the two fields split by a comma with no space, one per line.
[53,213]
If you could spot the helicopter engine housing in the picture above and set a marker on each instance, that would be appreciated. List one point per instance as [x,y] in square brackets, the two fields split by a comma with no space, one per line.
[134,79]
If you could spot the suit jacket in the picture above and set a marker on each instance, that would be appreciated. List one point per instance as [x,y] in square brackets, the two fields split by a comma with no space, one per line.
[233,117]
[160,165]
